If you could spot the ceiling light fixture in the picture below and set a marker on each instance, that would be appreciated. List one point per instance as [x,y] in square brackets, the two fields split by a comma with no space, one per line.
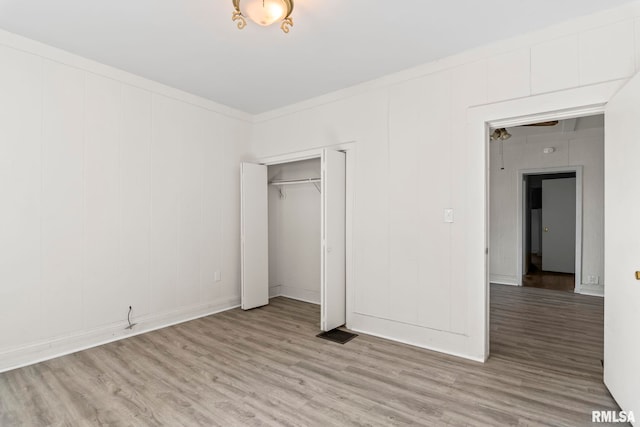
[501,134]
[263,12]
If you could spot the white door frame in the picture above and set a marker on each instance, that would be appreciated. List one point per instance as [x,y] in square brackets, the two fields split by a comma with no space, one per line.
[349,149]
[566,104]
[521,224]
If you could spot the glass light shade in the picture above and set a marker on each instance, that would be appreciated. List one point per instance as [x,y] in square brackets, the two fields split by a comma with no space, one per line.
[264,12]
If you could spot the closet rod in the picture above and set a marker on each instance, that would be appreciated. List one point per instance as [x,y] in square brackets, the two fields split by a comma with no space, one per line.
[296,181]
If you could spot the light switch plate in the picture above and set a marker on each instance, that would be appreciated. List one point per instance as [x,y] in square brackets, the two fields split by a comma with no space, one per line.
[217,276]
[448,215]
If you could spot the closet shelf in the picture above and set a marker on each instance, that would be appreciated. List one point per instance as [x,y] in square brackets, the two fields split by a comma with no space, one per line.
[296,181]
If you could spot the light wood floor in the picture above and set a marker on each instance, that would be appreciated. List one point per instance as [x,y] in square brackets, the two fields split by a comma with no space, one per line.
[265,367]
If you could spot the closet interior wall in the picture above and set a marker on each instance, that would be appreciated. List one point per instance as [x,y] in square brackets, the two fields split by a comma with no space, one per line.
[294,231]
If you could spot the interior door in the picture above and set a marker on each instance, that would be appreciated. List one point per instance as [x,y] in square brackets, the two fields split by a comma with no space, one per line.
[333,272]
[254,226]
[622,250]
[559,225]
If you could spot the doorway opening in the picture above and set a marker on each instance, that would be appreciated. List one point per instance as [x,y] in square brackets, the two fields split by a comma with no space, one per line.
[618,101]
[546,216]
[546,204]
[550,231]
[546,235]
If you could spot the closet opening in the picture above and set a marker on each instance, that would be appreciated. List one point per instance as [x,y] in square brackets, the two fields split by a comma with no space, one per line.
[295,230]
[294,233]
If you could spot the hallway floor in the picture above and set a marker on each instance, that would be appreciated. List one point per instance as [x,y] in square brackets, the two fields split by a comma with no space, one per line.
[537,278]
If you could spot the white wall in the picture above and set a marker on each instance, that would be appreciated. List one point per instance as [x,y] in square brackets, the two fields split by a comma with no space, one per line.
[114,191]
[294,232]
[416,278]
[581,147]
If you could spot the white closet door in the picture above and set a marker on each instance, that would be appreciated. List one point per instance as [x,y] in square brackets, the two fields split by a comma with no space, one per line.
[333,305]
[622,251]
[254,227]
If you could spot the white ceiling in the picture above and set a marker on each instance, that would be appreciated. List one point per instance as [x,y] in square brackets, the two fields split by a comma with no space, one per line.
[193,45]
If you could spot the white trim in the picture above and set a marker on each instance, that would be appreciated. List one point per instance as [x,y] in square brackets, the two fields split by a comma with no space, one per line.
[290,158]
[520,224]
[293,293]
[571,103]
[592,290]
[574,26]
[61,346]
[51,53]
[589,110]
[413,335]
[303,295]
[351,150]
[312,153]
[418,345]
[275,291]
[242,210]
[625,12]
[499,279]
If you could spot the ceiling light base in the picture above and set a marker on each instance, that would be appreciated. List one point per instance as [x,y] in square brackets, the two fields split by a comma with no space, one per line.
[286,25]
[265,13]
[237,16]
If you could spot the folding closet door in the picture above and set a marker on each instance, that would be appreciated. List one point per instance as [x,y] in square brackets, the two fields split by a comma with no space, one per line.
[254,226]
[621,248]
[333,271]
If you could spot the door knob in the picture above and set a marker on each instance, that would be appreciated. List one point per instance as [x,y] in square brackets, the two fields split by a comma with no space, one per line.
[546,229]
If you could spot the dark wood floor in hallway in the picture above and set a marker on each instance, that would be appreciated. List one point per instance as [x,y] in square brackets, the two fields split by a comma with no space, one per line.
[536,277]
[266,367]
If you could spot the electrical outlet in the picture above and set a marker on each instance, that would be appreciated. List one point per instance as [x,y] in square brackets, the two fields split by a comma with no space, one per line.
[217,276]
[593,280]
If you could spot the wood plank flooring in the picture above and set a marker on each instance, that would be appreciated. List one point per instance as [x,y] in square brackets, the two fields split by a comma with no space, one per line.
[549,280]
[537,278]
[266,367]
